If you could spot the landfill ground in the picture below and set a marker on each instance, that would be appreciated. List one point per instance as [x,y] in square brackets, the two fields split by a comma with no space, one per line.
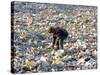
[32,43]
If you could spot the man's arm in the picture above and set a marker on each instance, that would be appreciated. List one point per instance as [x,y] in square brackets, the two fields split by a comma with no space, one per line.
[54,41]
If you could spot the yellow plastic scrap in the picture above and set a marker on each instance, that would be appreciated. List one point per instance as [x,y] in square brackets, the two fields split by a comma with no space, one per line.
[28,63]
[58,58]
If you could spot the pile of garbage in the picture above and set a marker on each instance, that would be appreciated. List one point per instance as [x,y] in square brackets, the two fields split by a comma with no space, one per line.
[32,42]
